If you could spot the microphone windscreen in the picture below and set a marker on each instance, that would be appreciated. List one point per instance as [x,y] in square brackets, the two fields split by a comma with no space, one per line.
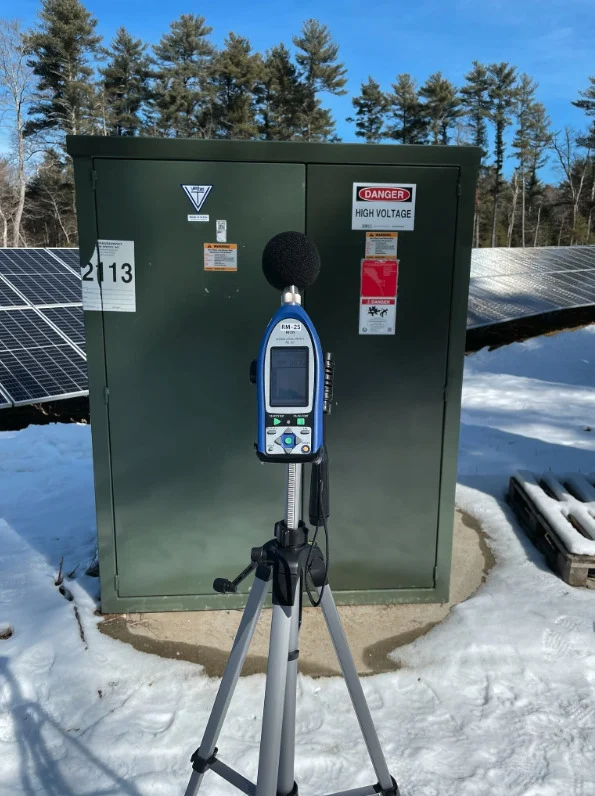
[290,258]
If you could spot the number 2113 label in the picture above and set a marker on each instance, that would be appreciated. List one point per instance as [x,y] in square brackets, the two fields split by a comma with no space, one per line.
[108,278]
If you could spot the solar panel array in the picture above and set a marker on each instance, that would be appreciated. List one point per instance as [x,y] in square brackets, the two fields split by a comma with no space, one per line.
[42,343]
[508,284]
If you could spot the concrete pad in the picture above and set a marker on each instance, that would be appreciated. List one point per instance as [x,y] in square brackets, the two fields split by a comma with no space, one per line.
[373,631]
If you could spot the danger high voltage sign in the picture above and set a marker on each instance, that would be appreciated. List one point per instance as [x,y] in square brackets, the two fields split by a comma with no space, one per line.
[383,206]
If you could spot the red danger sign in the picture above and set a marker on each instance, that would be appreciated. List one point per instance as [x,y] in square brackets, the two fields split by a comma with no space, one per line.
[383,206]
[375,194]
[379,278]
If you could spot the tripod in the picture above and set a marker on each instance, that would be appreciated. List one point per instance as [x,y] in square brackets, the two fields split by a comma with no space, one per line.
[284,560]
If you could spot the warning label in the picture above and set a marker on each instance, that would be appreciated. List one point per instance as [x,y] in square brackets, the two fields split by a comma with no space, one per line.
[377,316]
[379,278]
[382,245]
[221,256]
[378,296]
[383,206]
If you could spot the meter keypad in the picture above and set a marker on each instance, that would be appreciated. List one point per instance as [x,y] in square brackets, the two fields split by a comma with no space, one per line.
[290,441]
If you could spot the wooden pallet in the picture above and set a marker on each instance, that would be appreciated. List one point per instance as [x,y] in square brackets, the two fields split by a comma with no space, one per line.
[573,568]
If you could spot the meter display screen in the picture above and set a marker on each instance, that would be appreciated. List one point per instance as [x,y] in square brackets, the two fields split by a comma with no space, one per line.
[289,376]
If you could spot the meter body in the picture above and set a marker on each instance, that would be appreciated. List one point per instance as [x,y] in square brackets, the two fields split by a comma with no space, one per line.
[290,382]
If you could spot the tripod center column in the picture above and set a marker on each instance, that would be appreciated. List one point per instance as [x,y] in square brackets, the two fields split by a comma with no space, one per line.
[293,505]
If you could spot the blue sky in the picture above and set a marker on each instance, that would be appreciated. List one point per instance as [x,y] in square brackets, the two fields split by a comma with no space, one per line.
[552,40]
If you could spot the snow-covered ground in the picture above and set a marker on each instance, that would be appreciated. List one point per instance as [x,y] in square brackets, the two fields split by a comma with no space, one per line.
[499,700]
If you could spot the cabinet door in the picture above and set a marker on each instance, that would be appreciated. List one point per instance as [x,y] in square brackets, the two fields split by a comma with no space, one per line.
[385,432]
[190,498]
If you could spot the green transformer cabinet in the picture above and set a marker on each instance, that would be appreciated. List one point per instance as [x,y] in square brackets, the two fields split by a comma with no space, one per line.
[171,240]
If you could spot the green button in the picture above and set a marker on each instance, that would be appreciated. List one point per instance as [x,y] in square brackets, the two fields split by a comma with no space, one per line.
[288,440]
[276,421]
[301,421]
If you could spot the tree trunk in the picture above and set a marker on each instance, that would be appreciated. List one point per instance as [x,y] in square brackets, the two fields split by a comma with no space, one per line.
[494,220]
[4,222]
[515,193]
[21,182]
[523,199]
[536,237]
[58,217]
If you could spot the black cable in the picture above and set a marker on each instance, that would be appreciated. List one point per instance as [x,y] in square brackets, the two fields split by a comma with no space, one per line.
[313,601]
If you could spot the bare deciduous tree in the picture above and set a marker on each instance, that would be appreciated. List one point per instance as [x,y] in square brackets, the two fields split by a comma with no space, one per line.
[16,92]
[575,168]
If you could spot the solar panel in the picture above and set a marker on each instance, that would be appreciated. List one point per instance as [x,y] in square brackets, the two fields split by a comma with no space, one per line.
[8,297]
[68,256]
[36,364]
[517,283]
[70,321]
[29,261]
[49,288]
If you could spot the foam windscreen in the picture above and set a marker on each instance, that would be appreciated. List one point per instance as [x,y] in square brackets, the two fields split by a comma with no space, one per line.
[290,258]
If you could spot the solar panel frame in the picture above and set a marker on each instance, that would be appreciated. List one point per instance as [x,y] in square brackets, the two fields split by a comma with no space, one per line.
[29,261]
[44,290]
[69,320]
[36,363]
[31,280]
[70,258]
[9,297]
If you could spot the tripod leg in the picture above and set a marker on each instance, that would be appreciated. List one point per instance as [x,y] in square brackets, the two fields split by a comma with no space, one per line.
[286,781]
[231,674]
[356,692]
[274,698]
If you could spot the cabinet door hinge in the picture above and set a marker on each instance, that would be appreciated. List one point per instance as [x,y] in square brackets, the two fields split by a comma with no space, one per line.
[106,395]
[435,576]
[93,179]
[459,188]
[117,584]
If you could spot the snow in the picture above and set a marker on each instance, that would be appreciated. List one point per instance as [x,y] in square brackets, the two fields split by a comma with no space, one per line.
[498,700]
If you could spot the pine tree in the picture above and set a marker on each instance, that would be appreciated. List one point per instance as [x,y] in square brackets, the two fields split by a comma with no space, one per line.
[476,104]
[125,84]
[319,72]
[180,101]
[530,140]
[370,112]
[281,96]
[442,106]
[410,125]
[235,74]
[587,103]
[502,97]
[61,49]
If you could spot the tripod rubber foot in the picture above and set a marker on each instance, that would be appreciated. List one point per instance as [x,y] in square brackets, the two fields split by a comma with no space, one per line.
[294,791]
[394,791]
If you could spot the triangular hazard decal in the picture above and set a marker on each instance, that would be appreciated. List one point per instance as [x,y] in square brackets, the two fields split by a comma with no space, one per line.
[197,194]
